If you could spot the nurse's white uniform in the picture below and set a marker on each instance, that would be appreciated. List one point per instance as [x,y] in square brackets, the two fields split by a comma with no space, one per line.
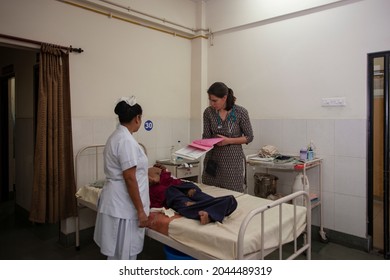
[116,230]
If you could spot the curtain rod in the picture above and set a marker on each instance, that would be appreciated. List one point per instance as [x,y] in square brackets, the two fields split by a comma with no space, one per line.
[70,48]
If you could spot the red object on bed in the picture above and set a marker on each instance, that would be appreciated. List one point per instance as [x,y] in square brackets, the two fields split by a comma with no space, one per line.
[157,191]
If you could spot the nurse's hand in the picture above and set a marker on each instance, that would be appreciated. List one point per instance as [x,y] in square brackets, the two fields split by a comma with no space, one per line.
[143,220]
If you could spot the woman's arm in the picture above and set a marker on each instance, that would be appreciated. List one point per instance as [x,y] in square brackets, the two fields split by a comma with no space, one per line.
[207,133]
[132,187]
[246,126]
[232,141]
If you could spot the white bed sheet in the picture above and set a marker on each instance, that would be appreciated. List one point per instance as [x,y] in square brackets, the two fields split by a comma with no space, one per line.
[88,196]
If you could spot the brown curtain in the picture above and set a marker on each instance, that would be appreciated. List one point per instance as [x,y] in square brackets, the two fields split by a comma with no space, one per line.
[53,196]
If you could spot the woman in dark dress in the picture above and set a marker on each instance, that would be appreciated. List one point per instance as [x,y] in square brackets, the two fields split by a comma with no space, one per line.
[223,118]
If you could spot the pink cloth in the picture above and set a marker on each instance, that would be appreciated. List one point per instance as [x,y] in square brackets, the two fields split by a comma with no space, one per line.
[157,191]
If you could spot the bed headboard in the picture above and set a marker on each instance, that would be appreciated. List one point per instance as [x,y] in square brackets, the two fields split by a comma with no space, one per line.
[89,164]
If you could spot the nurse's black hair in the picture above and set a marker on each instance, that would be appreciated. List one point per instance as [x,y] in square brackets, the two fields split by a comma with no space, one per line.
[219,90]
[126,112]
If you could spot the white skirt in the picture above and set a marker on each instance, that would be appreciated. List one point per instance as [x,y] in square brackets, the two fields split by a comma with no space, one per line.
[118,238]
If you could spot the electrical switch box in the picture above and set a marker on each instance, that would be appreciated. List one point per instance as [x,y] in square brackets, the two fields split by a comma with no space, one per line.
[333,102]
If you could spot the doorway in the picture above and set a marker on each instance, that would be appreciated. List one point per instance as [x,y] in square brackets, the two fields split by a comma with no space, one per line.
[378,151]
[18,74]
[7,128]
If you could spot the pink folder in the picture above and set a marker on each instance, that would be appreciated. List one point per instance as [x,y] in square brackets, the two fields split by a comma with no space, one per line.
[205,144]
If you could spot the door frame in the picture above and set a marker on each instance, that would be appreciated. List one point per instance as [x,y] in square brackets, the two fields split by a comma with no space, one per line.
[386,148]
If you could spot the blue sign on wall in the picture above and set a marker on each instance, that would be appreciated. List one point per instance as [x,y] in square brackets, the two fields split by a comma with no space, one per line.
[148,125]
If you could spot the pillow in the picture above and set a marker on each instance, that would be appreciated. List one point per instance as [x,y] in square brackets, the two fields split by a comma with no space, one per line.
[98,183]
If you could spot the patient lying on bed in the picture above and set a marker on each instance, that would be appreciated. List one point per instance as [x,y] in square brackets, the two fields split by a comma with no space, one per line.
[187,198]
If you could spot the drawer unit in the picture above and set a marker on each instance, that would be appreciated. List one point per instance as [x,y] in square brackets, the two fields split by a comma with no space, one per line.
[185,172]
[188,170]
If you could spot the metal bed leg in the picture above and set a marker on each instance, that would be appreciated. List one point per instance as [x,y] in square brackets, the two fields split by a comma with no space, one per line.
[323,237]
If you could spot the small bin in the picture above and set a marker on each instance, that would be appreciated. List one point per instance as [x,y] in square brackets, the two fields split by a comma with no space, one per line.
[265,184]
[173,254]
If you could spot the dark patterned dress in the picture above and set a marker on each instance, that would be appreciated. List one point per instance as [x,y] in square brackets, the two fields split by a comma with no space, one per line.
[230,158]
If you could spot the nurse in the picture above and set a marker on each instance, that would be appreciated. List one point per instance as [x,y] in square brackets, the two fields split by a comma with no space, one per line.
[123,206]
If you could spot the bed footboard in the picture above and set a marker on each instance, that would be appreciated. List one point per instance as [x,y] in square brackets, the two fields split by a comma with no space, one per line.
[306,247]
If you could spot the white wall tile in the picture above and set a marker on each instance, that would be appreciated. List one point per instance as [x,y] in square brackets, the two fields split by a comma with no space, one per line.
[327,173]
[152,156]
[350,138]
[294,136]
[328,209]
[350,215]
[150,138]
[82,130]
[321,132]
[196,129]
[256,143]
[163,130]
[270,133]
[102,129]
[350,176]
[180,131]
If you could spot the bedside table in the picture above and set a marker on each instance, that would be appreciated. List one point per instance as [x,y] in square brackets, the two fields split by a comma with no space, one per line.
[183,169]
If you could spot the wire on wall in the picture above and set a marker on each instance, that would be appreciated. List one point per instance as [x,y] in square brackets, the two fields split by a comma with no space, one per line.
[127,18]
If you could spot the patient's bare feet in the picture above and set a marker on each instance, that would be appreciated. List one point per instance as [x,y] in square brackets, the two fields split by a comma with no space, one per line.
[204,217]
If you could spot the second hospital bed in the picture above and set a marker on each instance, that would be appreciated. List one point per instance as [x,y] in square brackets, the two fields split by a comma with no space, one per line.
[255,229]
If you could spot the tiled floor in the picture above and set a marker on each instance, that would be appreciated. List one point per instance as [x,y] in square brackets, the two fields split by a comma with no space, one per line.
[21,240]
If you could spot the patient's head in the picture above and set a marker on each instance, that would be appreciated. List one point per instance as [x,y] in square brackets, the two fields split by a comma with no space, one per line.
[154,175]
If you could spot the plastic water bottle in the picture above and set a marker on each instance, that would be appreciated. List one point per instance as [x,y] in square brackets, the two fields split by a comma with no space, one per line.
[310,151]
[303,154]
[173,156]
[301,183]
[178,147]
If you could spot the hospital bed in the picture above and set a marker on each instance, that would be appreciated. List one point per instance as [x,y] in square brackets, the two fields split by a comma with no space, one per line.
[255,229]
